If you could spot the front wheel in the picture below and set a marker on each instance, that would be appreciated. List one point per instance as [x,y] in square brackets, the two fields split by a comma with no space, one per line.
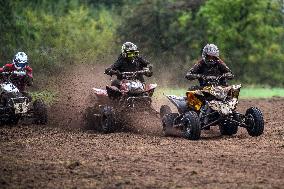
[168,123]
[192,127]
[254,121]
[165,109]
[40,112]
[107,119]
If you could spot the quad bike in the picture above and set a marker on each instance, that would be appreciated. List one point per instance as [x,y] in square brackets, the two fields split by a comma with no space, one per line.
[115,102]
[14,105]
[208,106]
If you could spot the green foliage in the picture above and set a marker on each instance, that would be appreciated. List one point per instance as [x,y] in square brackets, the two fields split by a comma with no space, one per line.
[7,28]
[171,33]
[160,25]
[250,35]
[48,97]
[54,38]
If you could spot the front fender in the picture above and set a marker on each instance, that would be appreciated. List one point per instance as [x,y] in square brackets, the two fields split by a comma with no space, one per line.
[179,102]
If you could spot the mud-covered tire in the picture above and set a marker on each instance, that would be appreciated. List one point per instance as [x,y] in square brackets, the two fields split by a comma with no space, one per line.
[107,119]
[254,121]
[165,109]
[168,122]
[192,127]
[92,122]
[40,112]
[227,128]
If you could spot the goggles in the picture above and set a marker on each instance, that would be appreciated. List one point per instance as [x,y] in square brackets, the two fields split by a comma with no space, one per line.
[211,58]
[131,54]
[20,65]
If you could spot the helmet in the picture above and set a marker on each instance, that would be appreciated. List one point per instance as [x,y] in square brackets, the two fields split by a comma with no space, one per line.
[20,60]
[210,54]
[129,50]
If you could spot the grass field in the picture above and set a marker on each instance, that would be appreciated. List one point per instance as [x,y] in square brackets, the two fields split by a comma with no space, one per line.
[246,93]
[48,96]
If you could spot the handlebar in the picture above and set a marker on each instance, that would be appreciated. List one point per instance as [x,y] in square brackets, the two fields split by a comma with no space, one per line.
[7,75]
[20,73]
[131,75]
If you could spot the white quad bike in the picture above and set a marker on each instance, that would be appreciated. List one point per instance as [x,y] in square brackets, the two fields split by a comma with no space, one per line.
[113,103]
[15,106]
[209,106]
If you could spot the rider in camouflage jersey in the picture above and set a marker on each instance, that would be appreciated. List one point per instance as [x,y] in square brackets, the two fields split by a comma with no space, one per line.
[211,66]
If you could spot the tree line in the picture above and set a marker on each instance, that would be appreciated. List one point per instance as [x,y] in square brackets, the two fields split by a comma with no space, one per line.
[170,33]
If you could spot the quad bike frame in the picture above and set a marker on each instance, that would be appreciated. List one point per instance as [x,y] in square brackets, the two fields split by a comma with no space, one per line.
[114,103]
[15,106]
[192,117]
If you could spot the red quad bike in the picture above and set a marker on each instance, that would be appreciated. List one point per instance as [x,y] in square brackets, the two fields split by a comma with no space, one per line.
[15,106]
[209,106]
[113,104]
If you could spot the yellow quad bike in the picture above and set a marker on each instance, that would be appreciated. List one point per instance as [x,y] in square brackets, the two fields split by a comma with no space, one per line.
[208,106]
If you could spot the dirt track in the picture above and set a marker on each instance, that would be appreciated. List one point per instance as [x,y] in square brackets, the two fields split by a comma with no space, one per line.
[63,155]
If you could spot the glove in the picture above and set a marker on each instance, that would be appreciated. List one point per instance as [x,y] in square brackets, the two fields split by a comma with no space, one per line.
[28,80]
[190,76]
[111,72]
[147,72]
[118,73]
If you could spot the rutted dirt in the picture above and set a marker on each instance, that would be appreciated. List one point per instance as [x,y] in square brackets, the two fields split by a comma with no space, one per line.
[65,155]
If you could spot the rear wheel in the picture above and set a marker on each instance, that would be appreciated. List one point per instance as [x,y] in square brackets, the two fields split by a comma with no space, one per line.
[227,128]
[192,127]
[165,109]
[254,121]
[40,112]
[168,122]
[107,119]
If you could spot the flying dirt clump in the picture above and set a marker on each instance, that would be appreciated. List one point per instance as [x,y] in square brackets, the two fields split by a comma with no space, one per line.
[76,103]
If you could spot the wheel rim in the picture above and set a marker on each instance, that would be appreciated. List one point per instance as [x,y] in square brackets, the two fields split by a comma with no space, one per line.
[188,127]
[188,130]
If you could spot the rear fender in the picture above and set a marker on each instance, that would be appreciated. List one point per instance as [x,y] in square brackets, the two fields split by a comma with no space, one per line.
[100,92]
[113,92]
[100,95]
[151,87]
[179,102]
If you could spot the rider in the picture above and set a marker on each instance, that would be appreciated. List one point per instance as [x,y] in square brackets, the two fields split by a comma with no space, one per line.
[21,73]
[129,61]
[210,67]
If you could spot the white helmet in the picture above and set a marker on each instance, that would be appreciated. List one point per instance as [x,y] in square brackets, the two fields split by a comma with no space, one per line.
[129,50]
[20,60]
[211,50]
